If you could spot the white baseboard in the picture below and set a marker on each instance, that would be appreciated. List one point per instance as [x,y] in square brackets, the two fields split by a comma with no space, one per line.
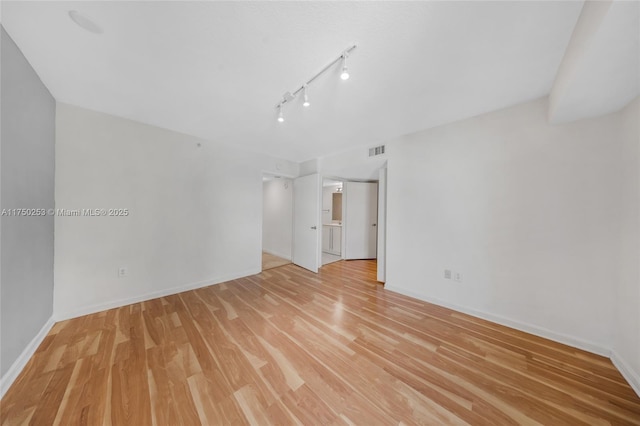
[18,365]
[275,253]
[92,309]
[627,372]
[518,325]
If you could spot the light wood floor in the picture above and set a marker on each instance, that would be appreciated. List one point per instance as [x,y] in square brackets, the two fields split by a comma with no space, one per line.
[287,346]
[330,258]
[270,261]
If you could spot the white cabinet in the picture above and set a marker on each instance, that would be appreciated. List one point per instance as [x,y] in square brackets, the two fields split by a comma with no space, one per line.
[326,238]
[332,239]
[336,240]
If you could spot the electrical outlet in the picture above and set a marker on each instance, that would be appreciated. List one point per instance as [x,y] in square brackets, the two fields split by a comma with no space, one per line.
[457,277]
[447,274]
[123,272]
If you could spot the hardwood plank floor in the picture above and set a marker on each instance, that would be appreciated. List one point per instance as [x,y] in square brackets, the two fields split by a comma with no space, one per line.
[290,347]
[270,261]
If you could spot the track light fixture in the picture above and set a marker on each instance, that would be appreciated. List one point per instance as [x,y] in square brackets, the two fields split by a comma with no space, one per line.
[280,116]
[290,96]
[345,71]
[306,98]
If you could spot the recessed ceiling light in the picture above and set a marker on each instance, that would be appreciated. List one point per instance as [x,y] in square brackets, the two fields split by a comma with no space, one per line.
[84,22]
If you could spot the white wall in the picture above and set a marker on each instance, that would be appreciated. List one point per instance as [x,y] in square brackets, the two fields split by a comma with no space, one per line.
[27,174]
[526,211]
[195,211]
[354,164]
[627,305]
[277,217]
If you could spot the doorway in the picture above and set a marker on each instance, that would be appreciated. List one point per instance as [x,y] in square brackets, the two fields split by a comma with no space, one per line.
[332,225]
[277,221]
[323,212]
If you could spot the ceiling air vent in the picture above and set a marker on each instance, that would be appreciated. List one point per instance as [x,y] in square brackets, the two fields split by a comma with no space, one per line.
[378,150]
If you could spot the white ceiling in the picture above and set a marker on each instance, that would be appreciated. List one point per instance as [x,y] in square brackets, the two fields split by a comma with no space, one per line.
[217,69]
[600,72]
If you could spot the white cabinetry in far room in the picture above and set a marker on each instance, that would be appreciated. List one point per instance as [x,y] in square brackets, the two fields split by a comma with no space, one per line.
[332,239]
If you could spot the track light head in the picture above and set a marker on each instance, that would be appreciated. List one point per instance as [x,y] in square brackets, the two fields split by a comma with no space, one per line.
[345,71]
[306,98]
[280,116]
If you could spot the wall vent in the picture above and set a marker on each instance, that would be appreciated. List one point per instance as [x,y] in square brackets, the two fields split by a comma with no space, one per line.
[378,150]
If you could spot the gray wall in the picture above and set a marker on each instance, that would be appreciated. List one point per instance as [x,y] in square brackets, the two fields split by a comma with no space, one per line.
[27,171]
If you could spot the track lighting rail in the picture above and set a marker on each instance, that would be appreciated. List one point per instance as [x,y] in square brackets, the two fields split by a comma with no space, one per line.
[289,96]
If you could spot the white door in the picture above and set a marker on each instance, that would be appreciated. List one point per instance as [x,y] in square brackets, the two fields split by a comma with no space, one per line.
[306,222]
[361,220]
